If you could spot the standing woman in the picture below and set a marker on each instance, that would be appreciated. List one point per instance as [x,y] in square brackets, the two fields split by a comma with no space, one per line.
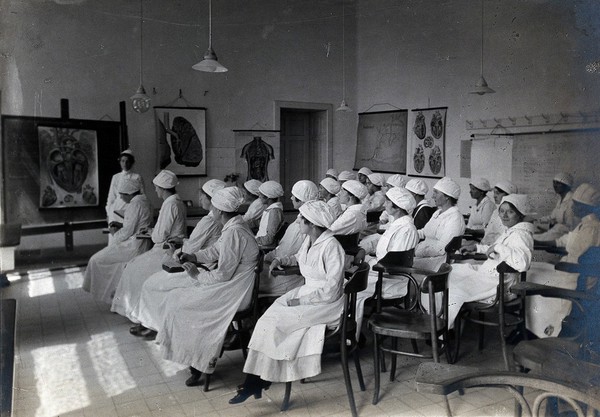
[287,342]
[446,223]
[272,217]
[113,201]
[328,191]
[257,207]
[104,268]
[170,227]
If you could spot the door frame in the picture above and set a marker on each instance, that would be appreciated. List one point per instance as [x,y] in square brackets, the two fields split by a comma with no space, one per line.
[325,146]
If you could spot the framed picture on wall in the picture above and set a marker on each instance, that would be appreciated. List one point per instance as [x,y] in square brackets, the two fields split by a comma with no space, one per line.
[426,155]
[181,139]
[257,154]
[381,141]
[68,167]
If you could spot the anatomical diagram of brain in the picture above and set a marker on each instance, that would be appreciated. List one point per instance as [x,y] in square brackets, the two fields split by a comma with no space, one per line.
[419,159]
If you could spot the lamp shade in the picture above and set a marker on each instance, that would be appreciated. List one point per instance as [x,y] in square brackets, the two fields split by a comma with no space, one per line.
[481,87]
[343,107]
[209,63]
[140,101]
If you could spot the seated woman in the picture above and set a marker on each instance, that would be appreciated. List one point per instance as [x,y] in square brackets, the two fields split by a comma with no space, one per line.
[376,198]
[562,219]
[170,227]
[205,234]
[105,267]
[332,173]
[328,191]
[354,218]
[362,175]
[446,223]
[484,207]
[194,315]
[424,210]
[287,342]
[470,282]
[272,217]
[302,192]
[395,180]
[346,176]
[401,235]
[256,207]
[545,315]
[494,227]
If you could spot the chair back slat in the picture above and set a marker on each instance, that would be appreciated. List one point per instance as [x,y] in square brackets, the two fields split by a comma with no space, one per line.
[348,242]
[452,246]
[398,258]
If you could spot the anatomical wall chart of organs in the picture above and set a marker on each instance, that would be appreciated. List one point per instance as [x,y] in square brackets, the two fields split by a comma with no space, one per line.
[426,142]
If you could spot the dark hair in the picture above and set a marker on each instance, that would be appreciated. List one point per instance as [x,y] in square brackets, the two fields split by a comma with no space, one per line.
[128,155]
[453,200]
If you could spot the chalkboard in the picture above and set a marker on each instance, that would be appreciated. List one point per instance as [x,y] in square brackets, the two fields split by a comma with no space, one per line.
[21,168]
[531,160]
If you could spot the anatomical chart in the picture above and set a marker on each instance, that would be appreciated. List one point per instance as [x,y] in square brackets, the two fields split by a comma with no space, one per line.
[181,137]
[257,154]
[426,142]
[68,167]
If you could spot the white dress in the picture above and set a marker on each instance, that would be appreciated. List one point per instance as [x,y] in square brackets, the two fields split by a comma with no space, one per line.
[287,342]
[254,213]
[196,316]
[169,225]
[270,222]
[545,315]
[478,282]
[493,229]
[353,220]
[402,235]
[113,200]
[288,246]
[563,217]
[481,213]
[438,232]
[150,308]
[105,267]
[335,206]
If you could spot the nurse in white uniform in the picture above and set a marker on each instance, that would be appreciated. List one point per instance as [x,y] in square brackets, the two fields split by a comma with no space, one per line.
[105,267]
[170,227]
[272,217]
[354,218]
[255,209]
[113,201]
[287,341]
[446,223]
[562,219]
[328,191]
[484,207]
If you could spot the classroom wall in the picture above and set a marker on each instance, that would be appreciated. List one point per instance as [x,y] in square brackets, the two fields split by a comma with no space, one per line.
[419,53]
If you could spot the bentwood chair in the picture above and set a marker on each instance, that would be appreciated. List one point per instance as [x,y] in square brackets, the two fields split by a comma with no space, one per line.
[243,321]
[346,331]
[427,321]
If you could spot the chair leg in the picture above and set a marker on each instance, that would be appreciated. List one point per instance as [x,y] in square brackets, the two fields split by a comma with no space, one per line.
[447,406]
[457,337]
[507,364]
[206,382]
[481,331]
[347,381]
[376,365]
[415,347]
[286,397]
[394,357]
[359,373]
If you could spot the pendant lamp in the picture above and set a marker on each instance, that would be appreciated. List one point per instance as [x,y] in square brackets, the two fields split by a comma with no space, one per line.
[140,101]
[343,106]
[481,87]
[210,62]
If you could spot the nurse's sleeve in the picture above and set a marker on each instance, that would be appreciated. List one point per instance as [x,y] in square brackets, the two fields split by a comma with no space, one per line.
[230,251]
[436,246]
[516,251]
[275,221]
[212,253]
[333,257]
[130,223]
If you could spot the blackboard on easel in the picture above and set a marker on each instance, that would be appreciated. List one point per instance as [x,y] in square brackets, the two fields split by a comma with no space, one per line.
[21,166]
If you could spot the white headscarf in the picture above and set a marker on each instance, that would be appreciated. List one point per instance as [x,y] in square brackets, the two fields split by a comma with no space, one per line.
[165,179]
[565,178]
[331,185]
[305,190]
[318,213]
[210,187]
[228,199]
[520,202]
[396,180]
[271,189]
[587,194]
[252,186]
[417,186]
[377,179]
[402,198]
[481,184]
[332,172]
[346,175]
[128,186]
[507,186]
[365,171]
[355,188]
[449,187]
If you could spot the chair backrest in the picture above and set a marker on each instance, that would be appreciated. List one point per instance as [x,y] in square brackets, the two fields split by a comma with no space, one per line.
[281,231]
[452,246]
[348,242]
[398,258]
[433,284]
[373,216]
[257,271]
[357,282]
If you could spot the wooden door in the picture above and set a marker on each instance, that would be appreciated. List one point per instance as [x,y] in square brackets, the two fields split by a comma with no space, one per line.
[295,148]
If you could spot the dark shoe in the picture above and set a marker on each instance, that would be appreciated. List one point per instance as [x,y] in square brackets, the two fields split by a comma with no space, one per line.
[194,380]
[150,335]
[137,330]
[245,393]
[233,342]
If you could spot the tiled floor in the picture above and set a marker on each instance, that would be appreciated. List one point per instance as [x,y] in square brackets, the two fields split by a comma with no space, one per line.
[75,358]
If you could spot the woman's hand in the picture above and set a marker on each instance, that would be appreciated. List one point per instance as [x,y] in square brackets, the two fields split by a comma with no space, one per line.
[191,269]
[187,257]
[491,252]
[468,248]
[275,264]
[292,302]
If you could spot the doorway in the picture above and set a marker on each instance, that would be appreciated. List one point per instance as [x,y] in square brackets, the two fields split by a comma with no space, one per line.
[306,143]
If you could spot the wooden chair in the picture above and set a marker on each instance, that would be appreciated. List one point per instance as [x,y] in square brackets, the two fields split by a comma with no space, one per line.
[346,332]
[393,263]
[244,320]
[503,313]
[583,396]
[349,243]
[280,232]
[422,322]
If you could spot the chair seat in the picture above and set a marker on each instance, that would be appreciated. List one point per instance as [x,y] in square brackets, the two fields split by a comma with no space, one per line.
[533,354]
[406,324]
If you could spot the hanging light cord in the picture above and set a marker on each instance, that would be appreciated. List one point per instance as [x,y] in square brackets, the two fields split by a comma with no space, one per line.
[481,69]
[141,40]
[209,24]
[343,50]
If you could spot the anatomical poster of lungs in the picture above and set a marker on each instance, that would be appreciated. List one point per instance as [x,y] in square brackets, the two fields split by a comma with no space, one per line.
[257,154]
[68,167]
[181,137]
[426,152]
